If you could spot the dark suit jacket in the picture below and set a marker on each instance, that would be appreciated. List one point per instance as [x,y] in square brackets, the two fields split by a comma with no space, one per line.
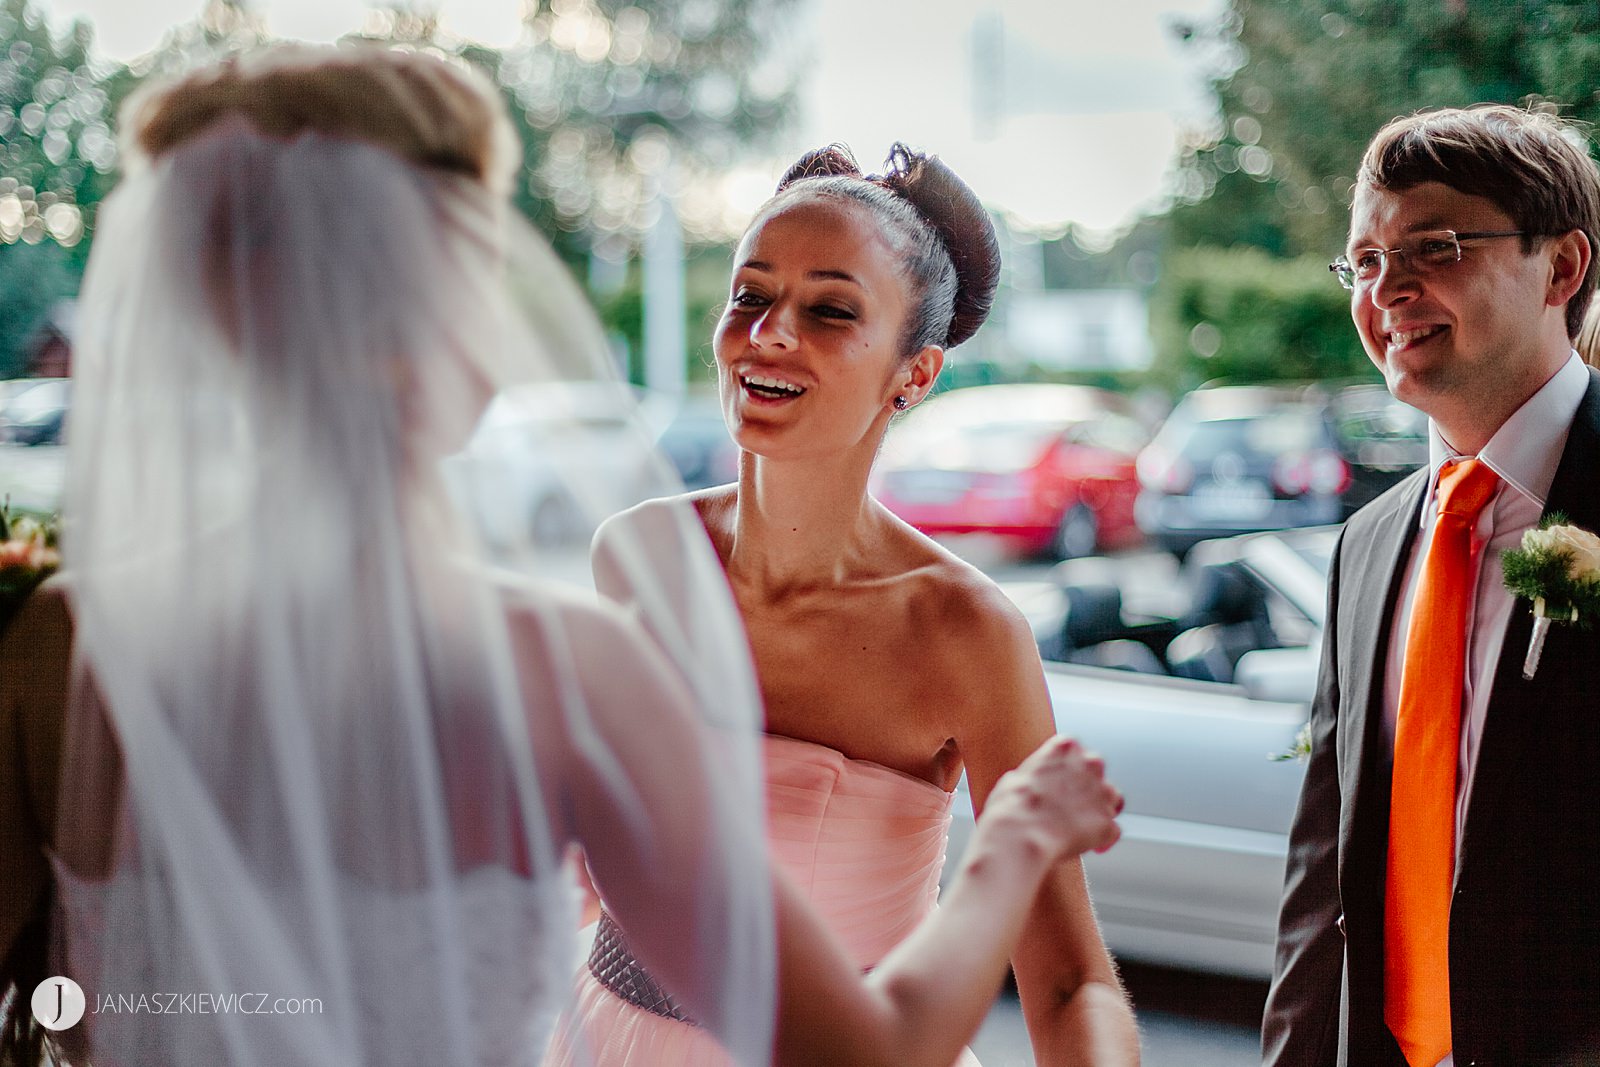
[1525,917]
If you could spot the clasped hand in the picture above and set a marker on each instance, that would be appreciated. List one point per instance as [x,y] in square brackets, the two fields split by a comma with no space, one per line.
[1058,800]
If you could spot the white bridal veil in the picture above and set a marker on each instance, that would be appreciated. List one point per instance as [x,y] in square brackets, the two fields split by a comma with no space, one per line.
[312,806]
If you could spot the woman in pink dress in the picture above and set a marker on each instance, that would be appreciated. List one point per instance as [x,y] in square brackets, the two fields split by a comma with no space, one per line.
[282,730]
[887,665]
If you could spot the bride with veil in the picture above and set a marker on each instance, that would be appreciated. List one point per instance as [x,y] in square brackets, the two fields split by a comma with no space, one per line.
[295,752]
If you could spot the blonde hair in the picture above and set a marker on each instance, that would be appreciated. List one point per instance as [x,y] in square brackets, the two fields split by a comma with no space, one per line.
[424,109]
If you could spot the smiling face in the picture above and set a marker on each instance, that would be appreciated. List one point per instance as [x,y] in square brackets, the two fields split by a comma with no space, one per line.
[1466,342]
[807,349]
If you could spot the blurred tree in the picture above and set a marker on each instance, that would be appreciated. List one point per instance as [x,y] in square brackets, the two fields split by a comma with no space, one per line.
[616,101]
[619,100]
[33,277]
[1245,315]
[222,28]
[1303,85]
[706,273]
[57,156]
[1070,262]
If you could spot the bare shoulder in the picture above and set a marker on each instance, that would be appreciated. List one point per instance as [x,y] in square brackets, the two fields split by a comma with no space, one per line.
[982,665]
[953,603]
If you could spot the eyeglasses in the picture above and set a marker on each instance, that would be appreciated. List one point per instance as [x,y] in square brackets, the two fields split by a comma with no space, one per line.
[1422,252]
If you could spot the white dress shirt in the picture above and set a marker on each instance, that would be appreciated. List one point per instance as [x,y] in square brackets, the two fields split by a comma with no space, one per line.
[1524,452]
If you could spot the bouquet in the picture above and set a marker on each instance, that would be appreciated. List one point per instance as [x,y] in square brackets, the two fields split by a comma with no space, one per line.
[28,555]
[1558,568]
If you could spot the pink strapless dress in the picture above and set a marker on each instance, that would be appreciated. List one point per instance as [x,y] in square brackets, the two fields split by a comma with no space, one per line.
[864,842]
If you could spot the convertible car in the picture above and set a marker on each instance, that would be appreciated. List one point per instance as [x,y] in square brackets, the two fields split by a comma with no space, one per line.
[1190,709]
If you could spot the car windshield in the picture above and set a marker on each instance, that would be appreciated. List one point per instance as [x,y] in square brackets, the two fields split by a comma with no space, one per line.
[1275,433]
[988,446]
[1000,428]
[47,396]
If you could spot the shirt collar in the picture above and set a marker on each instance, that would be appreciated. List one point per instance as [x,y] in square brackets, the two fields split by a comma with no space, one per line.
[1526,449]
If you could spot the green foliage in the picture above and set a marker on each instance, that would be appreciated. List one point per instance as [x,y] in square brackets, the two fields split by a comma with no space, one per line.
[56,146]
[1304,84]
[32,278]
[1301,87]
[1069,262]
[618,99]
[223,28]
[1544,573]
[57,161]
[705,292]
[57,151]
[1239,211]
[614,100]
[1243,314]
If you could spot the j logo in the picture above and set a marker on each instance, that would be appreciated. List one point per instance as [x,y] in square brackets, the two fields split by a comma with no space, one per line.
[58,1003]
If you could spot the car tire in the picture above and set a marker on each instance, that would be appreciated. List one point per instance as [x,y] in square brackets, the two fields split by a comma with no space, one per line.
[1078,533]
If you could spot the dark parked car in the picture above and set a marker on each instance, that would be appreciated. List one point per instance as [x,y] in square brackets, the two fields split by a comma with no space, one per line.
[1382,439]
[1238,459]
[1049,467]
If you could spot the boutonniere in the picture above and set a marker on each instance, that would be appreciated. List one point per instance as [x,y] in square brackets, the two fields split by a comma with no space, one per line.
[1299,749]
[1558,568]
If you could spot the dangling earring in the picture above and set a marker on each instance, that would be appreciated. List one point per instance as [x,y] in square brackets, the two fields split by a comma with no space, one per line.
[901,403]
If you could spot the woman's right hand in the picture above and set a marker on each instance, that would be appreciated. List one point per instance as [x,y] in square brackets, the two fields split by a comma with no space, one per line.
[1057,801]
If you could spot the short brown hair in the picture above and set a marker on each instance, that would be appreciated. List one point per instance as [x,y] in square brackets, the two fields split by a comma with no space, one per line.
[1531,164]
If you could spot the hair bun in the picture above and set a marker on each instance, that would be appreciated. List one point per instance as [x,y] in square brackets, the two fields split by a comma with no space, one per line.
[943,214]
[829,161]
[961,222]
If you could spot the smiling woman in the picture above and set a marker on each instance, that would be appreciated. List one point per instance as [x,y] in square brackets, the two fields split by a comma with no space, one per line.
[887,666]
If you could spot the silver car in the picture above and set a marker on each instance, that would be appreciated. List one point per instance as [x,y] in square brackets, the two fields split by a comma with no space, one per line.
[547,459]
[1196,878]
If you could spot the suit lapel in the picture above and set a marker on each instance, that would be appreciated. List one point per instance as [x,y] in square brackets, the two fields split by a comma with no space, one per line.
[1572,494]
[1377,551]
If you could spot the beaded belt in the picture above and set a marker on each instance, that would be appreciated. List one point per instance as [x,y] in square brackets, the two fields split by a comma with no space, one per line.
[613,966]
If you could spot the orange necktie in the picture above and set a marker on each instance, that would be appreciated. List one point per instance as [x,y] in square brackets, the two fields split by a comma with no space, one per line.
[1422,806]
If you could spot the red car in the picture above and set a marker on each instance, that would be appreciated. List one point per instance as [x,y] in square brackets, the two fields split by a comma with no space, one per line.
[1050,467]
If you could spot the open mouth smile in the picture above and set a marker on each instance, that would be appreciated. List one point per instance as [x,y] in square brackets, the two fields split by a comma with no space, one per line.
[769,388]
[1398,339]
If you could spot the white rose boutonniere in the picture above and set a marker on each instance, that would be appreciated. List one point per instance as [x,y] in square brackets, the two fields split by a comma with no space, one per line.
[1299,749]
[1558,568]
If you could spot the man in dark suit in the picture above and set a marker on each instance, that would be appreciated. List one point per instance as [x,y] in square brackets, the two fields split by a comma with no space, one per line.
[1444,909]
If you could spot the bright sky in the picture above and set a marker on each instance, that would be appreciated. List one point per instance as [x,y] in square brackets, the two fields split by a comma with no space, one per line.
[1095,93]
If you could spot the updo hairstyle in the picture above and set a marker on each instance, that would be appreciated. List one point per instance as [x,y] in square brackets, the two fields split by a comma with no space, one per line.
[424,109]
[931,218]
